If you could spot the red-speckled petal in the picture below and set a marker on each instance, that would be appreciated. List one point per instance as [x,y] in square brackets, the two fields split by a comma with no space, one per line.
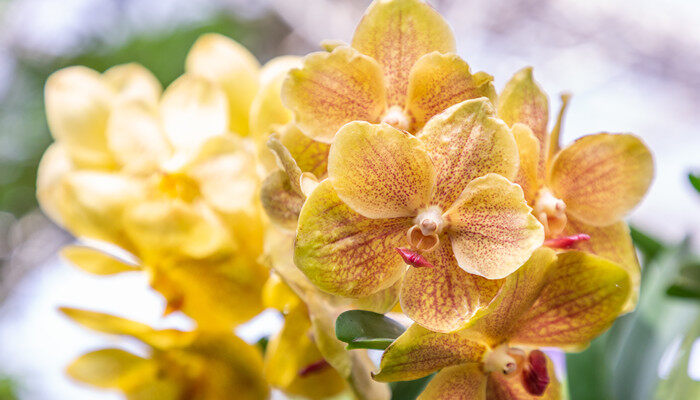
[463,382]
[343,252]
[444,298]
[465,142]
[529,152]
[491,228]
[396,33]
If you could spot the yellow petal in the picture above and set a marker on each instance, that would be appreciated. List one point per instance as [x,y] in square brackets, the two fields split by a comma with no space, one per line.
[602,177]
[554,144]
[419,352]
[529,152]
[267,113]
[231,67]
[133,82]
[614,243]
[332,89]
[522,100]
[77,109]
[465,142]
[519,292]
[95,261]
[397,33]
[343,252]
[157,388]
[310,155]
[193,110]
[136,138]
[438,81]
[379,171]
[584,294]
[491,228]
[111,369]
[276,294]
[501,387]
[444,298]
[54,165]
[463,382]
[280,201]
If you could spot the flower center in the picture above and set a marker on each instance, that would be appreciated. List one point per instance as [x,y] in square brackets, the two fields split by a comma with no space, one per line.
[395,117]
[511,361]
[550,211]
[424,234]
[178,186]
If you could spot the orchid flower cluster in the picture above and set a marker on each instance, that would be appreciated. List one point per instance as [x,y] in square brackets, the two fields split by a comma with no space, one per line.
[379,175]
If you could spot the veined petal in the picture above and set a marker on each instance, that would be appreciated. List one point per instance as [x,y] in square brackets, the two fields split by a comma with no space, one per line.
[343,252]
[77,108]
[332,89]
[379,171]
[491,228]
[529,152]
[267,113]
[95,261]
[614,243]
[133,82]
[136,138]
[444,298]
[310,155]
[602,177]
[419,352]
[438,81]
[233,68]
[397,33]
[462,382]
[281,202]
[193,109]
[522,100]
[111,369]
[465,142]
[584,294]
[501,387]
[54,165]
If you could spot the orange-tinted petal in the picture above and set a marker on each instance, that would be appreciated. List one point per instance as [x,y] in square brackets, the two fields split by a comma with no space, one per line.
[343,252]
[444,298]
[602,177]
[438,81]
[310,155]
[491,228]
[529,152]
[379,171]
[584,294]
[465,142]
[463,382]
[332,89]
[397,33]
[419,352]
[501,387]
[614,243]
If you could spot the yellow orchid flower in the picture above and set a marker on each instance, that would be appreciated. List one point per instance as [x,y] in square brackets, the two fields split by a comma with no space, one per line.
[180,365]
[437,198]
[559,301]
[583,190]
[400,69]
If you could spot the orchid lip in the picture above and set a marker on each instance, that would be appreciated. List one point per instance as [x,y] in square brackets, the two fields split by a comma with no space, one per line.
[567,242]
[550,211]
[397,118]
[414,258]
[313,368]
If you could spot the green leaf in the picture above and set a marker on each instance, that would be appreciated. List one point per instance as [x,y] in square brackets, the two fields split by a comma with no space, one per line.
[687,284]
[695,181]
[366,330]
[649,246]
[409,390]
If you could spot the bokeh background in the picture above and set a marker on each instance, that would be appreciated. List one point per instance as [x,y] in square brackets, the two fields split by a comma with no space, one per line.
[632,66]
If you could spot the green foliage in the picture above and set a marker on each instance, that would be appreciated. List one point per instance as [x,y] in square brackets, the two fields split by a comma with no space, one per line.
[695,181]
[366,330]
[649,247]
[409,390]
[8,389]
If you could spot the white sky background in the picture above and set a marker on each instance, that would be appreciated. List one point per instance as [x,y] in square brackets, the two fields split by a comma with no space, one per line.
[581,47]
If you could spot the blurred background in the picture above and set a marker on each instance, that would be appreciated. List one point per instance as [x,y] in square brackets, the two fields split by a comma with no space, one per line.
[632,66]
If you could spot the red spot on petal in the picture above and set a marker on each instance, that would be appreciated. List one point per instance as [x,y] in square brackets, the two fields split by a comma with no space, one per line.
[566,242]
[413,258]
[535,376]
[313,368]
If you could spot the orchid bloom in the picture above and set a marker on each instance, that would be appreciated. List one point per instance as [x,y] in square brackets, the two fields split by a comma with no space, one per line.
[437,198]
[192,365]
[400,69]
[164,177]
[561,301]
[583,190]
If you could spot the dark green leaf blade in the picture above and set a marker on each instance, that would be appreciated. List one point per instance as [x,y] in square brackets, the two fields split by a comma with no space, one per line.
[695,181]
[409,390]
[649,246]
[366,330]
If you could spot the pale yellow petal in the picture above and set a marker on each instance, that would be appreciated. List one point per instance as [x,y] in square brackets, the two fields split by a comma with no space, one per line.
[54,164]
[95,261]
[111,369]
[133,82]
[267,113]
[529,152]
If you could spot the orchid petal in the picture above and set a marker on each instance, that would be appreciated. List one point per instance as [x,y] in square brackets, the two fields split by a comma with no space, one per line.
[438,81]
[465,142]
[280,201]
[419,352]
[95,261]
[584,294]
[133,82]
[267,113]
[310,155]
[54,165]
[397,33]
[462,382]
[111,369]
[529,152]
[332,89]
[602,177]
[343,252]
[491,228]
[444,298]
[379,171]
